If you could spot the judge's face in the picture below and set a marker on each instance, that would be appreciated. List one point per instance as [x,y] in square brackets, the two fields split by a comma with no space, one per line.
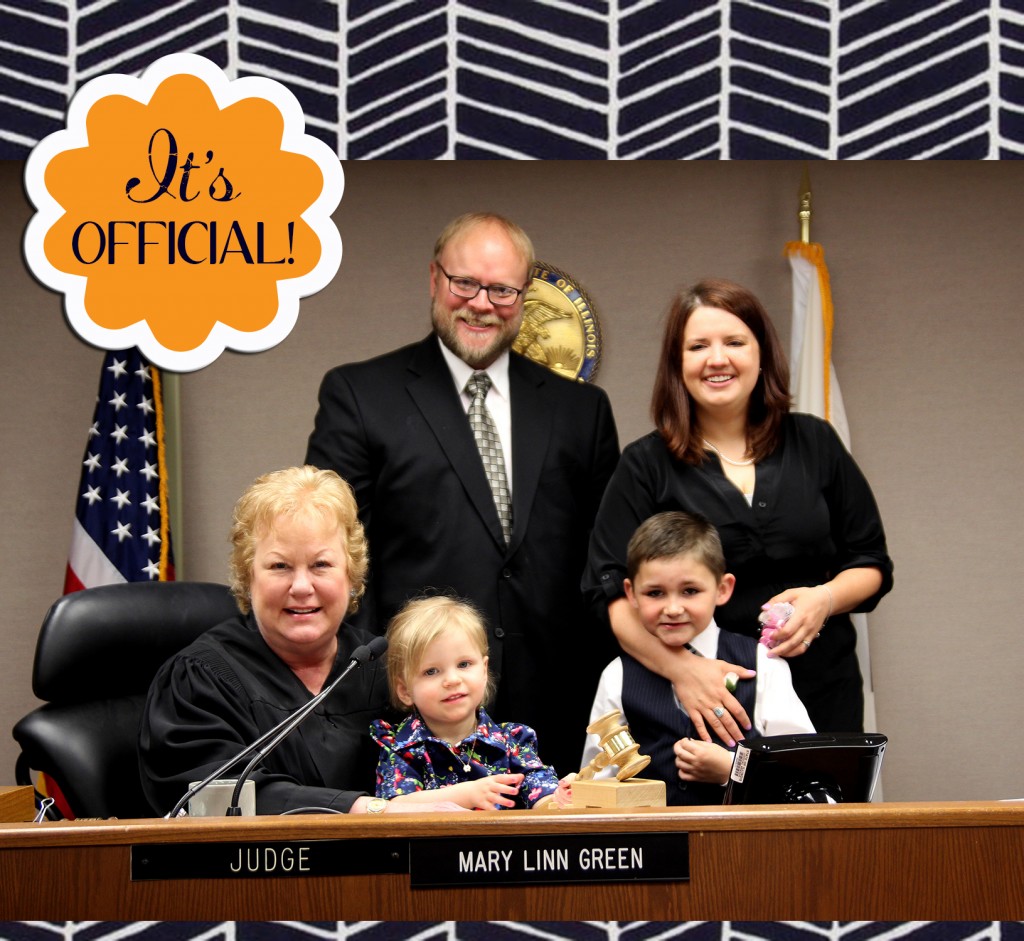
[474,329]
[300,587]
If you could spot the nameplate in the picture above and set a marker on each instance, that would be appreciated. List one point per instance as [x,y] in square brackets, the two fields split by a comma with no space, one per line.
[526,860]
[430,863]
[292,859]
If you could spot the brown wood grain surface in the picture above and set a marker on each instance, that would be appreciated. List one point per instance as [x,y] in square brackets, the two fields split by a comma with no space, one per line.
[931,861]
[16,804]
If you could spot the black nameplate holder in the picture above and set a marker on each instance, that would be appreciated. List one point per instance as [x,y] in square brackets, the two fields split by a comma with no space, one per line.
[430,863]
[291,859]
[533,860]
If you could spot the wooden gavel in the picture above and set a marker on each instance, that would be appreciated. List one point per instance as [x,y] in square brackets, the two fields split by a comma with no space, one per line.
[618,748]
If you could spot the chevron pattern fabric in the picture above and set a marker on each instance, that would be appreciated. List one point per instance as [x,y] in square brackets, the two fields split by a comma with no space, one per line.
[511,931]
[605,79]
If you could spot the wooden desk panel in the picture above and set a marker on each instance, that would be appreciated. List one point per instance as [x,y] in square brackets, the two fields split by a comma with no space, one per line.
[887,875]
[954,861]
[16,804]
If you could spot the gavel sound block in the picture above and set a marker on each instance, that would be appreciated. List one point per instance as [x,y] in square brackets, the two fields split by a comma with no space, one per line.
[618,749]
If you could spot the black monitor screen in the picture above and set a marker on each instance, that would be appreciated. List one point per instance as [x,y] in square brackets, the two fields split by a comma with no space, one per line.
[822,768]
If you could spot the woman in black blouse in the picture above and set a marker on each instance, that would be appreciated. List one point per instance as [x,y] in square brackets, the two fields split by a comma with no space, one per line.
[797,518]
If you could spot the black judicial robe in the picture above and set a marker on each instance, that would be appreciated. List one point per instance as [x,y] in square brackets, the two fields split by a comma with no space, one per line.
[227,688]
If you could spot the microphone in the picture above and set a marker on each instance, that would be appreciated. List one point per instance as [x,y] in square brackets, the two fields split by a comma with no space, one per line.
[376,647]
[269,740]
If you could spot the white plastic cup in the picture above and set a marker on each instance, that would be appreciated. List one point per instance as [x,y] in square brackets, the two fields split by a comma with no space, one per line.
[213,800]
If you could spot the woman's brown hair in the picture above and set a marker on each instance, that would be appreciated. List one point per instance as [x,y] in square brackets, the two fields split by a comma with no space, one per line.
[671,405]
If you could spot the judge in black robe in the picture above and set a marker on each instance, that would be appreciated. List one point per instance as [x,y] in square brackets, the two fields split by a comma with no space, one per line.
[298,568]
[229,687]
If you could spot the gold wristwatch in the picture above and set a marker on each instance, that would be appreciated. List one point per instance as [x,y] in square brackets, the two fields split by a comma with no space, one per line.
[377,805]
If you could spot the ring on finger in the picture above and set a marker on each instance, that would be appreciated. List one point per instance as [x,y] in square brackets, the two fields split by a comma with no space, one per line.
[806,643]
[718,711]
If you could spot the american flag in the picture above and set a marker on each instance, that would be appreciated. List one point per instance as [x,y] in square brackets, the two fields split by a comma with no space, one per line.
[121,531]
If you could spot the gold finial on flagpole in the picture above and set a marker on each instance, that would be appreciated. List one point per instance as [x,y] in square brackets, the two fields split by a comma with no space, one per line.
[805,207]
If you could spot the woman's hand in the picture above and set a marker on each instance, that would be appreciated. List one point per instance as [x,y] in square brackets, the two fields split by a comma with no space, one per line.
[699,683]
[478,794]
[422,802]
[702,761]
[811,609]
[815,604]
[398,806]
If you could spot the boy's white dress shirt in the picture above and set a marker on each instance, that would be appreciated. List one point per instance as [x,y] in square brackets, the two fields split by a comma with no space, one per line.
[777,708]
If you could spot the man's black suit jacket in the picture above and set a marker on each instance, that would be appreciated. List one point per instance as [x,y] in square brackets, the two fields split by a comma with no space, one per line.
[395,429]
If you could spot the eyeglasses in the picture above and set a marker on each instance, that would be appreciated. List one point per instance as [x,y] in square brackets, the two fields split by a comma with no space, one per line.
[501,295]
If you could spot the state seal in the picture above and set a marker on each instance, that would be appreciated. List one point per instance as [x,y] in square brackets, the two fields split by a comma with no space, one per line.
[560,328]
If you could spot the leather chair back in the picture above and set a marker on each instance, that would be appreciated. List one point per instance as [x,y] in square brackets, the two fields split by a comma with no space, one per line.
[96,655]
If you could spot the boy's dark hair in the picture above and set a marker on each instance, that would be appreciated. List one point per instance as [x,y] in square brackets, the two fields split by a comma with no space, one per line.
[673,533]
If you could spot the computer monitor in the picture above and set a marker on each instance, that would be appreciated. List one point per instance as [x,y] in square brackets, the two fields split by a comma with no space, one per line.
[817,768]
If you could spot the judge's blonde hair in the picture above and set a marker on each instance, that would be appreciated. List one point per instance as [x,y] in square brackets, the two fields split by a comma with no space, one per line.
[295,492]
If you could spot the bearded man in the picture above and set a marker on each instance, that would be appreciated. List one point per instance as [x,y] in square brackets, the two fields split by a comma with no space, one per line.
[412,431]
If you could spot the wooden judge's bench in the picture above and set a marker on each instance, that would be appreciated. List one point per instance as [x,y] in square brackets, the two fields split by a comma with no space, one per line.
[929,861]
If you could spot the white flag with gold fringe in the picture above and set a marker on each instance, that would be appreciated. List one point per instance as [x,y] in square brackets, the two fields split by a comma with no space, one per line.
[816,391]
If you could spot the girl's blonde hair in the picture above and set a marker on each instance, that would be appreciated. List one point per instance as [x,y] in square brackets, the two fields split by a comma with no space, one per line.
[419,623]
[294,492]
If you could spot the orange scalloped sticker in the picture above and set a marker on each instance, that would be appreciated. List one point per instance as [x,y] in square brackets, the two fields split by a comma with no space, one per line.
[183,213]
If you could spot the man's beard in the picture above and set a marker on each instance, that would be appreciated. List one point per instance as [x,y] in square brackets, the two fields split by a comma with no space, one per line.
[446,326]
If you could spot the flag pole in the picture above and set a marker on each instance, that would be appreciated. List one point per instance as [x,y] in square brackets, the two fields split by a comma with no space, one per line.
[804,213]
[815,387]
[172,436]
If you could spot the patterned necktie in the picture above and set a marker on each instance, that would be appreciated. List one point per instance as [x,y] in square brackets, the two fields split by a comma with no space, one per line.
[486,434]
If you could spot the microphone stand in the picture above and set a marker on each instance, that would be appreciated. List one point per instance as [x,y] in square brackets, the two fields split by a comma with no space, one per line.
[290,723]
[278,733]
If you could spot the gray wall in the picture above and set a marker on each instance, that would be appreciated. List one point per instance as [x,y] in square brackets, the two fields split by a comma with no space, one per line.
[925,262]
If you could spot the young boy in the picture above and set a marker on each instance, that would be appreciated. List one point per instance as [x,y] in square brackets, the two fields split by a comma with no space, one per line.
[675,579]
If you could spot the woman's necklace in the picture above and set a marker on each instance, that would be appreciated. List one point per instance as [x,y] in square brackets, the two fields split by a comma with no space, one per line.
[727,460]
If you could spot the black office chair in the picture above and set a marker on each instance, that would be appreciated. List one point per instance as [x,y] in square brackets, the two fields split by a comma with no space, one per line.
[97,653]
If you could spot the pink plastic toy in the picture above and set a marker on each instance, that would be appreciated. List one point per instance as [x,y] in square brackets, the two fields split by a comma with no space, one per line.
[772,617]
